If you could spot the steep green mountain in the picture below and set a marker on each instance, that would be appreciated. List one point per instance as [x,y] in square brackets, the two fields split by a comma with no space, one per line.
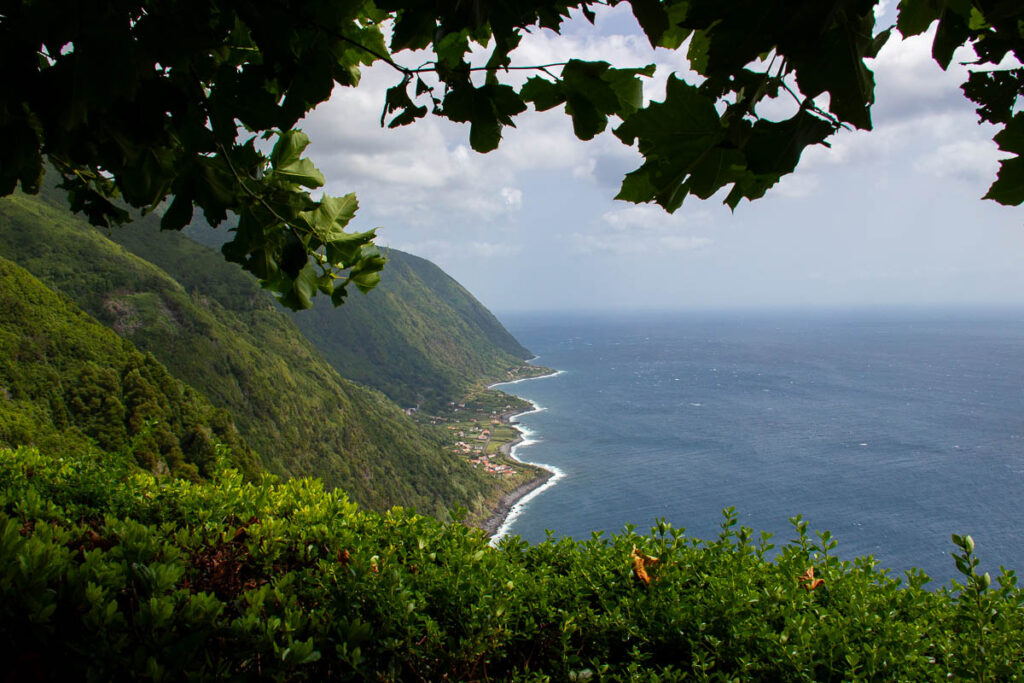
[69,384]
[288,403]
[419,337]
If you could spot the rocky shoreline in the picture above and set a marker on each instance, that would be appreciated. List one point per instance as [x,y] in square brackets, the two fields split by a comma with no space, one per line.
[509,500]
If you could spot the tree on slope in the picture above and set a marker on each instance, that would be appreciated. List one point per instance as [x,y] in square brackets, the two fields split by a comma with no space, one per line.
[134,102]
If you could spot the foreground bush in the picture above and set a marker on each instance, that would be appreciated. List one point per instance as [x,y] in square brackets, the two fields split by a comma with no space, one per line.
[107,573]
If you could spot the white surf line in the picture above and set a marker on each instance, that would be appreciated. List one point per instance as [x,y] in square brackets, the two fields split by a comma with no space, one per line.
[556,473]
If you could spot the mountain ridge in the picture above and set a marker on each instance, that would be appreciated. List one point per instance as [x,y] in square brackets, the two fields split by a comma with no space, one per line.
[293,407]
[419,336]
[69,384]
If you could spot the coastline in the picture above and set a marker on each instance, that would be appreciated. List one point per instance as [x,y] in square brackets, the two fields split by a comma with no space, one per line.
[499,517]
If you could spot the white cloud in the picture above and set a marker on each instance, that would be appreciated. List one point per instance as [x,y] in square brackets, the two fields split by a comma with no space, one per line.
[909,83]
[513,197]
[637,229]
[644,217]
[797,185]
[449,251]
[974,161]
[591,243]
[585,170]
[892,140]
[683,243]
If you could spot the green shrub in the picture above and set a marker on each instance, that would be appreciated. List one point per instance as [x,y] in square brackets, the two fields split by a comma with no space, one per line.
[108,573]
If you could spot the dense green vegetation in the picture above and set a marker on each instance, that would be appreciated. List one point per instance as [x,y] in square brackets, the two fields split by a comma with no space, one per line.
[246,357]
[421,338]
[70,385]
[107,573]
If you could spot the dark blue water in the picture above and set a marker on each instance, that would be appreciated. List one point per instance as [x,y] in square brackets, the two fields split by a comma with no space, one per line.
[892,430]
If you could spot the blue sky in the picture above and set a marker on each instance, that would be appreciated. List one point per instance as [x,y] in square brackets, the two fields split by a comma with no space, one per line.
[888,217]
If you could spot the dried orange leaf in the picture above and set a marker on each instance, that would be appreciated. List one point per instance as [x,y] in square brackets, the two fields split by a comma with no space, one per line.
[807,580]
[640,564]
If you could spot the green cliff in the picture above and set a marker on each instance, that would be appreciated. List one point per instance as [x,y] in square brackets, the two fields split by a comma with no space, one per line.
[217,331]
[69,384]
[420,336]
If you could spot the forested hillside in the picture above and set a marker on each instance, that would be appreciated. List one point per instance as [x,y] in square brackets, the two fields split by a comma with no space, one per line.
[289,404]
[429,338]
[419,336]
[70,385]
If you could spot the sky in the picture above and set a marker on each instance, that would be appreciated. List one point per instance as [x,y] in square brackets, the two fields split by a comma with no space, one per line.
[890,217]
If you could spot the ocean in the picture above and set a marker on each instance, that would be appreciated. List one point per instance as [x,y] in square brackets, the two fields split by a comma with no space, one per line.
[890,429]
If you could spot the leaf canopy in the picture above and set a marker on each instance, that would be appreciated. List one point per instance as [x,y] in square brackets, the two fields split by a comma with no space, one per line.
[160,106]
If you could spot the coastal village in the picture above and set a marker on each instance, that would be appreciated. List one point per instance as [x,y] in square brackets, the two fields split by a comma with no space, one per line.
[480,430]
[477,430]
[479,425]
[481,441]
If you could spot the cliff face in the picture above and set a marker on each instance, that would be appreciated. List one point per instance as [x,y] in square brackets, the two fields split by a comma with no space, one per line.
[420,337]
[68,384]
[213,328]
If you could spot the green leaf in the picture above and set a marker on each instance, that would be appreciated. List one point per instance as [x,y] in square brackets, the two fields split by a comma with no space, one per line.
[838,68]
[303,288]
[717,168]
[697,53]
[653,19]
[346,249]
[878,42]
[995,93]
[397,99]
[915,16]
[365,274]
[415,28]
[674,136]
[1011,138]
[628,88]
[338,294]
[301,172]
[486,108]
[328,220]
[953,32]
[178,214]
[636,187]
[543,93]
[294,256]
[587,120]
[684,122]
[288,149]
[1008,189]
[775,148]
[215,189]
[592,91]
[452,48]
[484,134]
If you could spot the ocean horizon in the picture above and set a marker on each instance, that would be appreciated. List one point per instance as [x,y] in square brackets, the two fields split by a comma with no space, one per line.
[892,429]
